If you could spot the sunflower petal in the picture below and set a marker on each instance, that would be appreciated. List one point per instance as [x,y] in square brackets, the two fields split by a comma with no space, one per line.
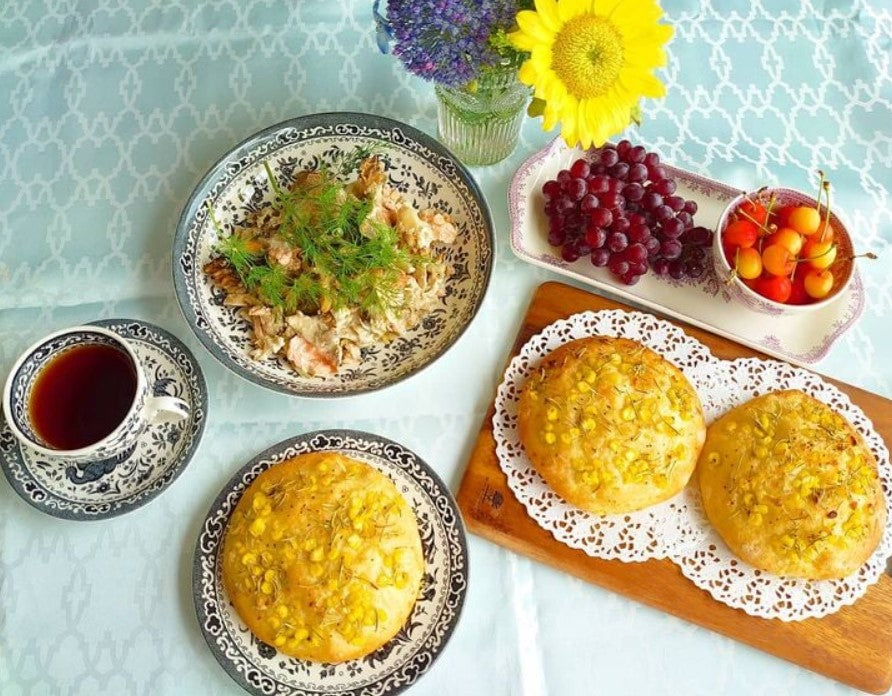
[540,58]
[548,13]
[527,73]
[568,121]
[557,92]
[568,9]
[531,24]
[549,118]
[641,83]
[521,41]
[606,7]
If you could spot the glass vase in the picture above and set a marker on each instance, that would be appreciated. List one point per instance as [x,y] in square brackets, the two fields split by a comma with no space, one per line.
[481,123]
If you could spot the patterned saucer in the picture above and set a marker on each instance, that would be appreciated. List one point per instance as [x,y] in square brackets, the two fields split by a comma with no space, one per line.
[259,668]
[100,489]
[417,165]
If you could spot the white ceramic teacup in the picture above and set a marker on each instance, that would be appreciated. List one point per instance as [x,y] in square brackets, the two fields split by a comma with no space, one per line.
[144,409]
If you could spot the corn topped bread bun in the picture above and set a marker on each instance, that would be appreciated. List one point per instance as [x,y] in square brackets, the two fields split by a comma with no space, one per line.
[611,426]
[791,487]
[322,558]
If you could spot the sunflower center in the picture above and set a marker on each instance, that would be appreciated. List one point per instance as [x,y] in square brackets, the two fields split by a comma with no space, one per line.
[587,55]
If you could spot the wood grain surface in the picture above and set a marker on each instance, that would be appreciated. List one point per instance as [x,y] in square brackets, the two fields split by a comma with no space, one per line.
[853,646]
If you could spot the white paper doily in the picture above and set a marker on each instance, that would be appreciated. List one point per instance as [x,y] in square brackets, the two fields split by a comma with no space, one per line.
[637,536]
[713,567]
[678,529]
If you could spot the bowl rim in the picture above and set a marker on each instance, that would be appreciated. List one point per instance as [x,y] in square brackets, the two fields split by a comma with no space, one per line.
[303,123]
[719,256]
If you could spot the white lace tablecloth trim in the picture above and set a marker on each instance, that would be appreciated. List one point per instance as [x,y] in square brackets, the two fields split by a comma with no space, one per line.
[678,529]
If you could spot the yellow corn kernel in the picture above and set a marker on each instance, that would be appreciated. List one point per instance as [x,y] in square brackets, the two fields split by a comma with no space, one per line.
[614,446]
[317,554]
[628,413]
[266,587]
[583,386]
[249,559]
[761,509]
[630,455]
[292,645]
[259,502]
[323,467]
[257,527]
[713,458]
[279,640]
[590,376]
[552,413]
[550,438]
[616,358]
[401,580]
[301,634]
[382,615]
[309,544]
[566,438]
[316,569]
[588,424]
[575,432]
[269,575]
[282,611]
[274,622]
[368,618]
[383,580]
[591,478]
[354,540]
[756,519]
[333,554]
[277,533]
[358,525]
[256,570]
[748,499]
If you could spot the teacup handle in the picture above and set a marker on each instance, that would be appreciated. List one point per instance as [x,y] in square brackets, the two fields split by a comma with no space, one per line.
[170,407]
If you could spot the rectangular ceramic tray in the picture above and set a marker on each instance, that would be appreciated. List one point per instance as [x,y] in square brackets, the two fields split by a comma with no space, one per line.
[853,645]
[803,339]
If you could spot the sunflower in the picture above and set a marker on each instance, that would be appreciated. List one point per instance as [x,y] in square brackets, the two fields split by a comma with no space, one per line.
[590,62]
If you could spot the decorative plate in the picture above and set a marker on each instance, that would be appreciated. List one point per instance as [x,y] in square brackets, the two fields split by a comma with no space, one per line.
[678,528]
[100,489]
[260,668]
[802,339]
[416,164]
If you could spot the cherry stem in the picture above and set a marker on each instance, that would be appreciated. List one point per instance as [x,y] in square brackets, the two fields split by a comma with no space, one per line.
[866,255]
[826,186]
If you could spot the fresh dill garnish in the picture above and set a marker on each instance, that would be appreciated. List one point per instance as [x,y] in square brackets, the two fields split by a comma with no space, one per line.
[346,164]
[347,259]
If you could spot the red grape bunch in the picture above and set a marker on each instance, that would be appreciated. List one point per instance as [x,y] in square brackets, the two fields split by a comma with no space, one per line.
[618,207]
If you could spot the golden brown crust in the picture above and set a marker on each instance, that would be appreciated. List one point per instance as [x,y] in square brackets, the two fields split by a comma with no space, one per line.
[322,558]
[611,426]
[791,487]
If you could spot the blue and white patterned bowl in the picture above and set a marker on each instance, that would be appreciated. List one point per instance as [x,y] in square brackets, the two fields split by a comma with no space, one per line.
[399,663]
[421,168]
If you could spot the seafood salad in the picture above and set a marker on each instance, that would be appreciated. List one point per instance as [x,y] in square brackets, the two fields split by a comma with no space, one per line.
[329,268]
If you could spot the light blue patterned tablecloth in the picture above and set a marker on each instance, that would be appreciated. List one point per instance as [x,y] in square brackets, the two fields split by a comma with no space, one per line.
[111,110]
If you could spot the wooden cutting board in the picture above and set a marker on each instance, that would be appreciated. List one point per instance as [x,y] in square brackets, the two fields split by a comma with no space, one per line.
[853,646]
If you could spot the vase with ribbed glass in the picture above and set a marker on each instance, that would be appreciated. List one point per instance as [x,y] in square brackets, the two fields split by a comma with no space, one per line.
[481,121]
